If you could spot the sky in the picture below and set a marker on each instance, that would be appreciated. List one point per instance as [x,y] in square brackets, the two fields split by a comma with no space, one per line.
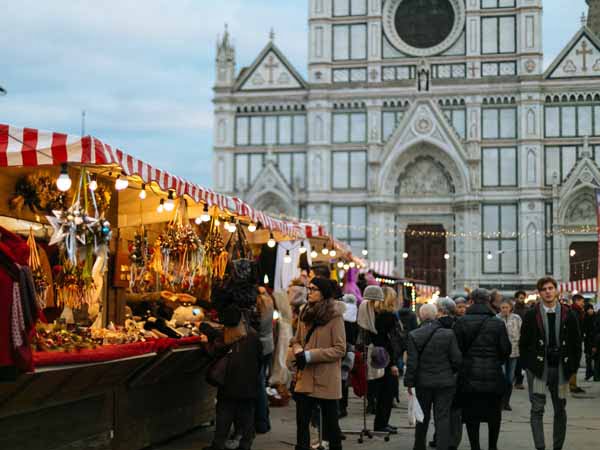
[143,71]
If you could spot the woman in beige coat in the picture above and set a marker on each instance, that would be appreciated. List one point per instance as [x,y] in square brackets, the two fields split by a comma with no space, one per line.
[317,351]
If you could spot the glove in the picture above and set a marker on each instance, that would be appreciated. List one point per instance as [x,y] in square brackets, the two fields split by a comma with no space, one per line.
[301,360]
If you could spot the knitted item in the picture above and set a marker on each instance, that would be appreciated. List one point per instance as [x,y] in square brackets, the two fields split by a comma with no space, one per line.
[18,320]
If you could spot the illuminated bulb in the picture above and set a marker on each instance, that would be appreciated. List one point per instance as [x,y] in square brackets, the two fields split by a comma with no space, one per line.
[302,248]
[63,182]
[252,227]
[325,250]
[340,264]
[346,266]
[446,256]
[266,279]
[93,183]
[314,254]
[332,253]
[217,222]
[276,315]
[287,259]
[365,252]
[198,221]
[405,255]
[170,204]
[232,226]
[572,253]
[271,243]
[143,194]
[352,264]
[121,183]
[161,206]
[205,217]
[490,256]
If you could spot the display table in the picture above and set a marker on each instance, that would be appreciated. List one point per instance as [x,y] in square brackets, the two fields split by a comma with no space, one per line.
[89,399]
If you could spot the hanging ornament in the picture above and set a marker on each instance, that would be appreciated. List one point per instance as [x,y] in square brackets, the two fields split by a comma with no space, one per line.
[39,278]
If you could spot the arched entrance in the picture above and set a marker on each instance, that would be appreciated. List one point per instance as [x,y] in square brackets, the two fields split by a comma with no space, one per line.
[425,250]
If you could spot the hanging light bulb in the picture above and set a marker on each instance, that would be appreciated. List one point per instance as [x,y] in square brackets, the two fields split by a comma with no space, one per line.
[405,255]
[251,227]
[266,279]
[303,248]
[446,256]
[365,252]
[93,183]
[121,183]
[572,253]
[170,203]
[490,256]
[205,217]
[332,252]
[161,206]
[340,264]
[325,250]
[314,254]
[63,182]
[232,226]
[198,221]
[352,264]
[346,266]
[217,222]
[271,243]
[287,259]
[143,194]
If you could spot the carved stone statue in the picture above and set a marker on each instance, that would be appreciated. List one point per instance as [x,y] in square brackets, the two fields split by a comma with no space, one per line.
[425,176]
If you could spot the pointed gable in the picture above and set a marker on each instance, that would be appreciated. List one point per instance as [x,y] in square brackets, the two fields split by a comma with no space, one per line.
[270,71]
[580,58]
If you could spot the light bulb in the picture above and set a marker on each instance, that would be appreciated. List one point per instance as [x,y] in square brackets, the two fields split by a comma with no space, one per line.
[325,250]
[446,256]
[405,255]
[340,264]
[93,183]
[161,206]
[143,194]
[266,279]
[346,266]
[287,259]
[490,256]
[271,243]
[352,264]
[232,226]
[205,217]
[572,253]
[314,254]
[121,183]
[217,222]
[198,220]
[170,204]
[251,227]
[332,253]
[365,252]
[63,182]
[302,248]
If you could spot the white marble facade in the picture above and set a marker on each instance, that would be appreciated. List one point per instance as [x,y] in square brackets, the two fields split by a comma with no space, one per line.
[392,126]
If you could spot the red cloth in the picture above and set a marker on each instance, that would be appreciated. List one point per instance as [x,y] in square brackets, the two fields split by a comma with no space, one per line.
[16,250]
[111,352]
[358,376]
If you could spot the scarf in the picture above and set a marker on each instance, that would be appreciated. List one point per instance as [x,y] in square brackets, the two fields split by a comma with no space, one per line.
[319,313]
[540,385]
[366,317]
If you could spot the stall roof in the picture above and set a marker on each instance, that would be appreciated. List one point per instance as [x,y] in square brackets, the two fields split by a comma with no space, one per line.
[29,147]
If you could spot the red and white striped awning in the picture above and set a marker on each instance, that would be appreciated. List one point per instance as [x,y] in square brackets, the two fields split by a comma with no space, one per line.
[382,267]
[29,147]
[582,286]
[313,230]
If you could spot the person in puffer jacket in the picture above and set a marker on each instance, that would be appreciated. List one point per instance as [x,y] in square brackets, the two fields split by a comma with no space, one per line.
[485,346]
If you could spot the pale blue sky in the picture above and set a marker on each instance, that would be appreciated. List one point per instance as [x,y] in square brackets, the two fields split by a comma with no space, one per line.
[144,70]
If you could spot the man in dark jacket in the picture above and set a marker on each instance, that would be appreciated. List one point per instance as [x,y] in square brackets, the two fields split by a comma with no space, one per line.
[520,309]
[550,347]
[485,346]
[433,361]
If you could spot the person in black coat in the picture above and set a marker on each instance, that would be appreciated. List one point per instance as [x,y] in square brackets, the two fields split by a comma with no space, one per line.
[588,340]
[485,346]
[596,346]
[237,396]
[550,349]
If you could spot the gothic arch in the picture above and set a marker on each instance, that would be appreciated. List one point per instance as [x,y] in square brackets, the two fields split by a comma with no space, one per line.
[425,176]
[578,208]
[272,202]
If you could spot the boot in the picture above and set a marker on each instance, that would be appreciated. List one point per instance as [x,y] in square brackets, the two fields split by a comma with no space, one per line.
[506,399]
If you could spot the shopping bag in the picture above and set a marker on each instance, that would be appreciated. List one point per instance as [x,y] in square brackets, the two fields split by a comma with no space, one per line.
[415,412]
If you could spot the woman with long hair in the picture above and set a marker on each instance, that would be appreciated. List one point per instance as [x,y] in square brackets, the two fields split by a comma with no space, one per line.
[316,352]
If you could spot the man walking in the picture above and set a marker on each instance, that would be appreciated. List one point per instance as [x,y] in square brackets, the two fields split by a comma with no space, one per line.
[551,351]
[520,309]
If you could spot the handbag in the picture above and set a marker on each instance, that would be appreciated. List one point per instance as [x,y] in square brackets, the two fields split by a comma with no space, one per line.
[243,267]
[216,375]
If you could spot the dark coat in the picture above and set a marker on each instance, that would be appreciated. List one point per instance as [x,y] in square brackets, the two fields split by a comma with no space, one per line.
[520,309]
[386,323]
[409,319]
[533,341]
[439,361]
[588,333]
[484,343]
[242,379]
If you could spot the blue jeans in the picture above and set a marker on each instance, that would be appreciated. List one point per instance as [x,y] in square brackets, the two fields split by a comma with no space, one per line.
[509,370]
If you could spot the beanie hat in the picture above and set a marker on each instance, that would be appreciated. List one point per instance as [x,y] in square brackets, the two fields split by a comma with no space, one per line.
[325,286]
[373,293]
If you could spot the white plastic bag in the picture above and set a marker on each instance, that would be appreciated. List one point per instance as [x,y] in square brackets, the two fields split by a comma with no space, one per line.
[415,412]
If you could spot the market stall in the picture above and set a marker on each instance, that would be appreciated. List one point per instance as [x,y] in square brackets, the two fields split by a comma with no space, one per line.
[110,268]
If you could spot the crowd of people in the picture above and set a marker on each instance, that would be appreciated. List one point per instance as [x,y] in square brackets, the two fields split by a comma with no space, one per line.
[459,358]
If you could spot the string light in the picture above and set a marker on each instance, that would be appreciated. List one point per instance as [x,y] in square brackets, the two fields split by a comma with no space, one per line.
[63,182]
[405,255]
[287,259]
[143,194]
[325,250]
[346,266]
[161,206]
[252,227]
[205,216]
[170,203]
[332,253]
[314,254]
[266,279]
[271,242]
[217,222]
[198,221]
[121,183]
[572,252]
[303,248]
[446,256]
[340,264]
[365,252]
[352,264]
[93,183]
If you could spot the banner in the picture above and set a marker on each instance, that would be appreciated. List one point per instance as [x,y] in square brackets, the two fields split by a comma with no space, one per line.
[598,231]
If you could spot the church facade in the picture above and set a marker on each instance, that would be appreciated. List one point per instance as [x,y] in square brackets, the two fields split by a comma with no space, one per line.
[427,132]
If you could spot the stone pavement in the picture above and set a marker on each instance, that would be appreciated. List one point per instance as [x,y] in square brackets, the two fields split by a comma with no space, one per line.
[583,431]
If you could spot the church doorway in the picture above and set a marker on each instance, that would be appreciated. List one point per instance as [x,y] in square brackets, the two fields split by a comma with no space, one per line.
[425,247]
[583,260]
